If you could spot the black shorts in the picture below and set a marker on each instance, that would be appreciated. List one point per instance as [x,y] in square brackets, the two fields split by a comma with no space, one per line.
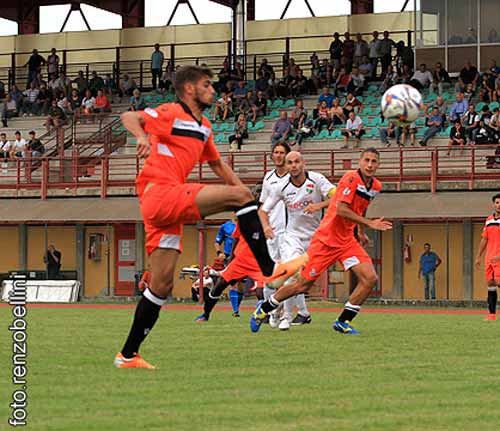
[355,134]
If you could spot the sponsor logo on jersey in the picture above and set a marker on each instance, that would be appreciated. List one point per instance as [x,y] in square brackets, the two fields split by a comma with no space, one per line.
[312,273]
[298,205]
[346,192]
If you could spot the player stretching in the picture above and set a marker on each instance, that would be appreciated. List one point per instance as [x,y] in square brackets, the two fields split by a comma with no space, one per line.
[490,242]
[304,196]
[242,265]
[175,137]
[275,180]
[335,241]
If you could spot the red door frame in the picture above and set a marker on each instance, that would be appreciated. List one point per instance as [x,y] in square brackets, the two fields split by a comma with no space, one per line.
[123,232]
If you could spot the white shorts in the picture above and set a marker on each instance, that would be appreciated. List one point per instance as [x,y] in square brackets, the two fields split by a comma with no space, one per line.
[274,247]
[292,247]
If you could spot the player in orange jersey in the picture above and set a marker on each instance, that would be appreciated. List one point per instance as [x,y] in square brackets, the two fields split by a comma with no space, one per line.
[242,265]
[173,138]
[335,241]
[490,242]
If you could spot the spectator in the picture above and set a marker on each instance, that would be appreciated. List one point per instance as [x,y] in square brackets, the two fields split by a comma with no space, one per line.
[5,147]
[260,103]
[351,104]
[272,87]
[366,67]
[292,68]
[487,91]
[374,52]
[459,108]
[53,261]
[35,146]
[323,117]
[298,115]
[304,132]
[337,115]
[248,108]
[495,125]
[95,83]
[208,284]
[440,79]
[44,99]
[354,129]
[88,103]
[261,84]
[109,87]
[2,90]
[266,69]
[357,83]
[9,110]
[406,75]
[442,107]
[35,63]
[390,78]
[223,107]
[102,104]
[434,126]
[167,79]
[327,97]
[336,48]
[468,75]
[385,48]
[18,148]
[240,93]
[360,49]
[408,130]
[137,102]
[62,102]
[469,93]
[127,86]
[30,103]
[422,78]
[52,63]
[224,76]
[284,85]
[240,133]
[494,69]
[63,83]
[298,86]
[55,116]
[348,51]
[237,74]
[16,95]
[404,56]
[74,102]
[485,135]
[53,85]
[486,115]
[81,83]
[393,131]
[457,136]
[282,129]
[157,59]
[429,262]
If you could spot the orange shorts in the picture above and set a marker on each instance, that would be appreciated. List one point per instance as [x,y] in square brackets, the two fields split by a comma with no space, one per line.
[492,271]
[165,209]
[322,256]
[239,268]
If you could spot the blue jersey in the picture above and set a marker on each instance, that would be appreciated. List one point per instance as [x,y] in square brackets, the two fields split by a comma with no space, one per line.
[225,235]
[428,262]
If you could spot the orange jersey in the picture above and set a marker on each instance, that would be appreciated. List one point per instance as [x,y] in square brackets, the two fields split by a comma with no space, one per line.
[336,231]
[178,143]
[491,232]
[242,250]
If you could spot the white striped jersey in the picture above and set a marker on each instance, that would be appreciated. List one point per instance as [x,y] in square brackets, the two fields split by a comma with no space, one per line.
[273,182]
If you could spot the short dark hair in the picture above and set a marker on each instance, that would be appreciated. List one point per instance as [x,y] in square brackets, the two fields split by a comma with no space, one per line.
[285,146]
[370,150]
[190,74]
[17,132]
[495,197]
[32,132]
[427,244]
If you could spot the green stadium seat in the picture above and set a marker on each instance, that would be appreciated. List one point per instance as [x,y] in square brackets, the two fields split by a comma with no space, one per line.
[323,134]
[289,103]
[480,106]
[494,105]
[278,103]
[337,134]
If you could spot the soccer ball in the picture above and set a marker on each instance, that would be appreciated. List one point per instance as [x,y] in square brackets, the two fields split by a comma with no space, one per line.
[401,103]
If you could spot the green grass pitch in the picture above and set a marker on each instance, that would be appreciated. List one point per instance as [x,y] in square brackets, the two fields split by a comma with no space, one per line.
[405,372]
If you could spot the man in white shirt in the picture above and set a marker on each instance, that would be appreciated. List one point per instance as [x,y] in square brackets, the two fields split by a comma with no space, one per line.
[422,78]
[18,146]
[304,196]
[354,129]
[374,52]
[357,83]
[30,105]
[5,147]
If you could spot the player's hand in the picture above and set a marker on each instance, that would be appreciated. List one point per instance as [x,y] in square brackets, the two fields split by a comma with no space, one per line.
[143,147]
[269,232]
[312,208]
[380,224]
[364,240]
[477,264]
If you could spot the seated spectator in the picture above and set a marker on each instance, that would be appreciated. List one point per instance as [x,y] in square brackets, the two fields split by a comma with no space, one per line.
[265,68]
[390,79]
[136,102]
[127,86]
[457,136]
[304,132]
[298,115]
[485,135]
[245,107]
[95,83]
[109,86]
[18,148]
[434,126]
[440,79]
[223,107]
[30,104]
[468,75]
[43,99]
[88,103]
[470,122]
[81,83]
[62,102]
[337,115]
[35,146]
[9,109]
[101,103]
[486,115]
[496,94]
[260,103]
[404,55]
[408,130]
[63,83]
[5,147]
[352,104]
[342,82]
[284,85]
[354,129]
[240,133]
[327,97]
[16,95]
[422,78]
[224,76]
[53,84]
[272,87]
[487,88]
[239,94]
[74,103]
[357,83]
[459,108]
[494,69]
[393,131]
[299,85]
[282,129]
[469,93]
[406,75]
[261,84]
[495,123]
[323,119]
[55,116]
[238,74]
[442,107]
[365,67]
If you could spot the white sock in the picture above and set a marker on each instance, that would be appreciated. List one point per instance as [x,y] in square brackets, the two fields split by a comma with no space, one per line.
[302,306]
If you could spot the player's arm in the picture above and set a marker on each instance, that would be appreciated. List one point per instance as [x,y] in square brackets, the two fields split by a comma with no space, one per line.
[134,123]
[222,170]
[482,248]
[219,239]
[438,260]
[264,211]
[327,190]
[235,243]
[343,210]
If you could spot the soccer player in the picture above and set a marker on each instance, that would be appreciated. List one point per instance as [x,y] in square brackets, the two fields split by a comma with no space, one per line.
[174,137]
[335,241]
[304,196]
[241,266]
[225,236]
[490,242]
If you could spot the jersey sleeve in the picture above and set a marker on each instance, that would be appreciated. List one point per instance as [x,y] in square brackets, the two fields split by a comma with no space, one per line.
[327,189]
[271,201]
[237,233]
[219,239]
[346,190]
[264,194]
[484,233]
[210,153]
[156,120]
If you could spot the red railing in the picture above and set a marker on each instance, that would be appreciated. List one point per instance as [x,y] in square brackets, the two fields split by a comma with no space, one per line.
[426,169]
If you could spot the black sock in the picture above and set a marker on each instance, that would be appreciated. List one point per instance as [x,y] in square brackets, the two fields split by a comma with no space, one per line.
[240,297]
[269,305]
[146,315]
[213,296]
[252,231]
[492,300]
[350,312]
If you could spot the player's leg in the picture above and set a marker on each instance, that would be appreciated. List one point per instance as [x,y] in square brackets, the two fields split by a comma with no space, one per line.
[303,315]
[212,297]
[287,314]
[162,262]
[492,291]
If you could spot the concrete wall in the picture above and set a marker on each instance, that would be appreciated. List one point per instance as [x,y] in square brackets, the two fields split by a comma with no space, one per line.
[9,252]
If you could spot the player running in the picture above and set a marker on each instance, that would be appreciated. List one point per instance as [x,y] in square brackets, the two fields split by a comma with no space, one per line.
[490,242]
[304,196]
[174,137]
[335,241]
